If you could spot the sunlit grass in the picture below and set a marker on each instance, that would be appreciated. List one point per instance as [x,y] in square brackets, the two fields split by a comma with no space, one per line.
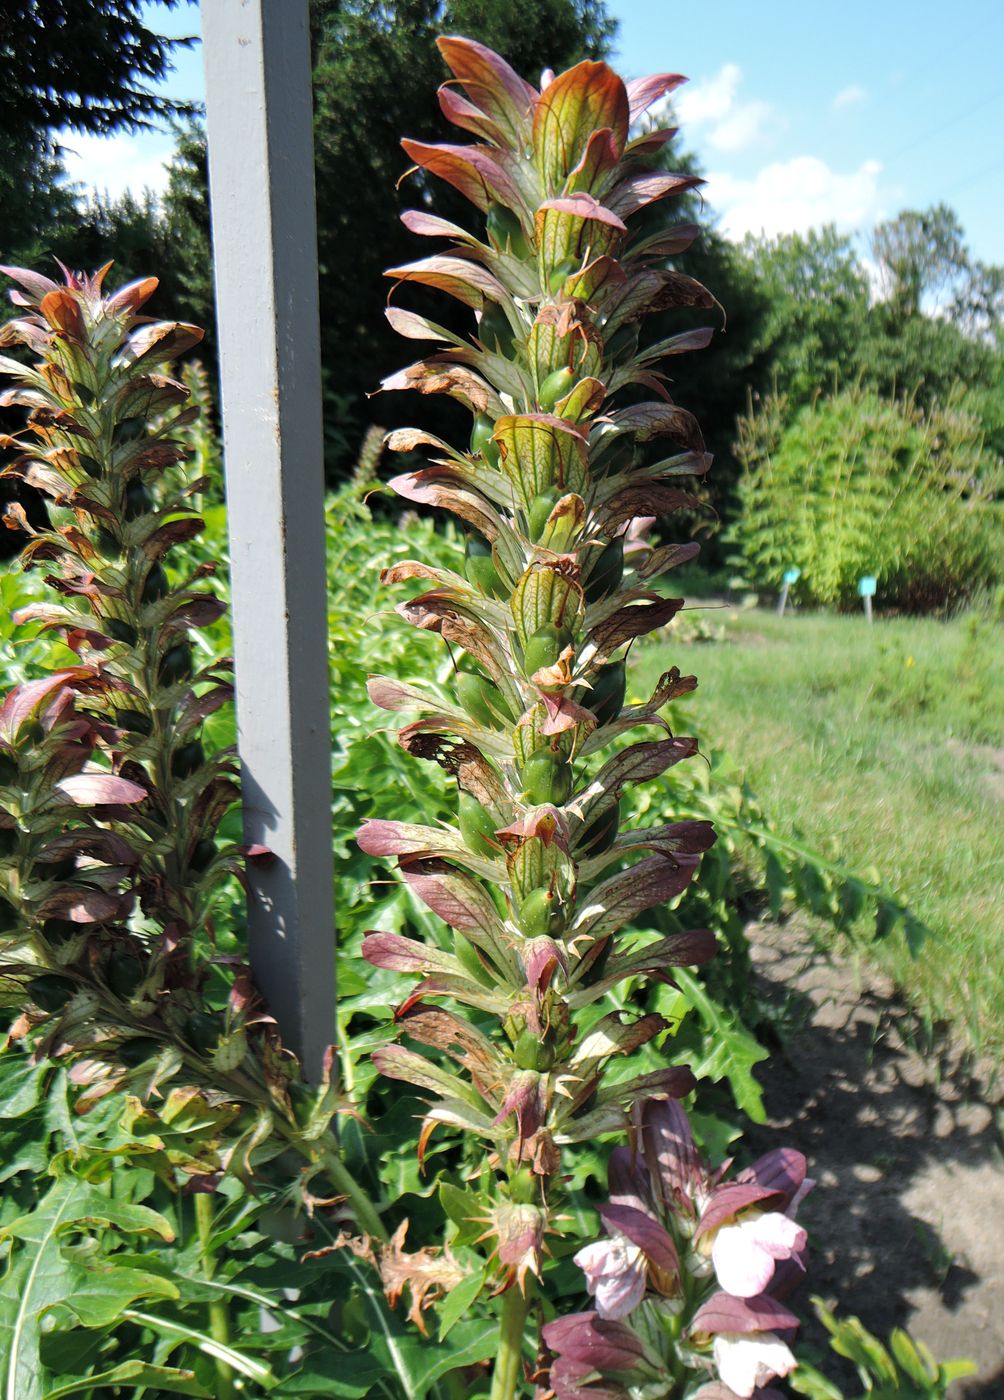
[884,745]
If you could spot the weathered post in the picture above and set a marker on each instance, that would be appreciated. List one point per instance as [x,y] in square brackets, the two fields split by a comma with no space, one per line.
[258,101]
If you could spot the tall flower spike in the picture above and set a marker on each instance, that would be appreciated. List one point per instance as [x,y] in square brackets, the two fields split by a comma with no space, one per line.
[536,880]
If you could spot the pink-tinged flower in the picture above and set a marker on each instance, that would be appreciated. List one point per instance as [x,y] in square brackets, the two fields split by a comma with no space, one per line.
[747,1360]
[747,1351]
[744,1253]
[615,1271]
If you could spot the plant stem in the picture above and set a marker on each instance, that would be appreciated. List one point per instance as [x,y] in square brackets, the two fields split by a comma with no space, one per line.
[218,1309]
[363,1209]
[509,1362]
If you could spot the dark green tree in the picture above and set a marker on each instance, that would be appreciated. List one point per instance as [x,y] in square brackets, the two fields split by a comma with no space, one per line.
[86,64]
[186,266]
[817,297]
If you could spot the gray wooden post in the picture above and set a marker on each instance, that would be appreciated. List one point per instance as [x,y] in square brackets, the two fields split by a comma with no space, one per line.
[258,101]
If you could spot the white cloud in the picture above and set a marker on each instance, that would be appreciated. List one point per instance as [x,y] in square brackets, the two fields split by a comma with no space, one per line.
[793,196]
[849,96]
[114,164]
[714,104]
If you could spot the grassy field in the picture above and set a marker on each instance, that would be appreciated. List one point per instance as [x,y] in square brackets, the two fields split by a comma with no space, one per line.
[885,746]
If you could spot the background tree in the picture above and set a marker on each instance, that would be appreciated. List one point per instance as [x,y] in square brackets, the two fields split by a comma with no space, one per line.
[921,256]
[87,66]
[817,295]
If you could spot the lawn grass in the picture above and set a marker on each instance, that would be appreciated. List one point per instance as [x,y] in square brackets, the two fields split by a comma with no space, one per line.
[885,746]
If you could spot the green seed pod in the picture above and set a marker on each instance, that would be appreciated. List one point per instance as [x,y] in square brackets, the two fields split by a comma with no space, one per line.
[481,439]
[138,499]
[505,230]
[187,759]
[138,1050]
[556,386]
[469,958]
[484,576]
[541,915]
[544,647]
[533,1051]
[155,585]
[123,974]
[607,571]
[606,699]
[120,631]
[547,777]
[495,332]
[134,722]
[470,693]
[540,508]
[50,992]
[601,833]
[203,1030]
[175,664]
[479,566]
[483,700]
[477,826]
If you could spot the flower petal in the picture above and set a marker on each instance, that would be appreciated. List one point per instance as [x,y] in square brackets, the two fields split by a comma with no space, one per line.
[748,1360]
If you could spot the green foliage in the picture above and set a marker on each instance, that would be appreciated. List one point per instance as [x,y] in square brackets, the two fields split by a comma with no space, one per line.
[821,331]
[817,295]
[858,485]
[903,1370]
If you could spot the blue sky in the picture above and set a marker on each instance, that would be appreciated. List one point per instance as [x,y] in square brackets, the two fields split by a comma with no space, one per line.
[801,112]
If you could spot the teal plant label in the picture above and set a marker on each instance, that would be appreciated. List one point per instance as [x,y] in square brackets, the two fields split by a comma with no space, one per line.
[867,586]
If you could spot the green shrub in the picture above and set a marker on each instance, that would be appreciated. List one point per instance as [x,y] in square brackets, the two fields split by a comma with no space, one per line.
[855,485]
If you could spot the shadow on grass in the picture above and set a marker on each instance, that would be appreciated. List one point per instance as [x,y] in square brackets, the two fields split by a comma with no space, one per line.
[901,1135]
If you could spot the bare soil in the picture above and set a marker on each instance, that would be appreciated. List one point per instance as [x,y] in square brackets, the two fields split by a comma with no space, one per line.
[903,1135]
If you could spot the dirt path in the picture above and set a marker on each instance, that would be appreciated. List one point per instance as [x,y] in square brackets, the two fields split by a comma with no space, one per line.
[908,1214]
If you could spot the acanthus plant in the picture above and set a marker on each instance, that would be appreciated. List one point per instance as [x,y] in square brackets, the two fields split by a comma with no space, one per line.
[110,806]
[533,879]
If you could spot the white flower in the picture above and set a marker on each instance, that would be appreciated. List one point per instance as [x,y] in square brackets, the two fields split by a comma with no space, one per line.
[615,1275]
[744,1253]
[748,1359]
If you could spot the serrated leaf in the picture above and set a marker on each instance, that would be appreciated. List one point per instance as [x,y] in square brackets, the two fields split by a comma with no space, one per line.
[733,1050]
